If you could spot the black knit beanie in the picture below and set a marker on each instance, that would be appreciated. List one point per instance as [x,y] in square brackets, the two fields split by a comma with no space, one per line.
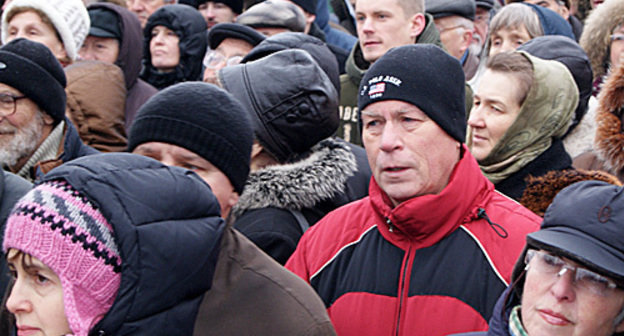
[31,68]
[421,75]
[202,118]
[307,5]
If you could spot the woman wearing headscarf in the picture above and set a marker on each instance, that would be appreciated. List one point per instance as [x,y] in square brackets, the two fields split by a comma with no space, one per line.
[522,108]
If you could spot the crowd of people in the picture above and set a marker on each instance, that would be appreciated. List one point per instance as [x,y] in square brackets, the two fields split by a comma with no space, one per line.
[312,167]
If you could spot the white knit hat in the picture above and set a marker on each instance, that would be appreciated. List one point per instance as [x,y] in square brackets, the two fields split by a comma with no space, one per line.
[69,17]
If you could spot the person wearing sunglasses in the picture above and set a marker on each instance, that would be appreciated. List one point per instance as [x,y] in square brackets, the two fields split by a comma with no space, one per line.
[570,278]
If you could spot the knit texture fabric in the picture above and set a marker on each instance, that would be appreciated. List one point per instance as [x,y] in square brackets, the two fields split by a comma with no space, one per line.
[202,118]
[424,76]
[59,226]
[31,68]
[69,17]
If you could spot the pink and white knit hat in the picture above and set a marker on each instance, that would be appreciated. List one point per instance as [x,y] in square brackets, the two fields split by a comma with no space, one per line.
[59,226]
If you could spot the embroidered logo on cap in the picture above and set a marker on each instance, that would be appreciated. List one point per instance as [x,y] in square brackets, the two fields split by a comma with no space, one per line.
[2,66]
[378,87]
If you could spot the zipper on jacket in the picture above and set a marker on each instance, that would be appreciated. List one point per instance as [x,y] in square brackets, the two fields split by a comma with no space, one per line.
[402,289]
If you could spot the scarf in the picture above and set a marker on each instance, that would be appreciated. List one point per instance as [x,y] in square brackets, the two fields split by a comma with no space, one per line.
[545,114]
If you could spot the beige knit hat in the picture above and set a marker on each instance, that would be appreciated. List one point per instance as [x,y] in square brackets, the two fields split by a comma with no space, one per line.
[69,17]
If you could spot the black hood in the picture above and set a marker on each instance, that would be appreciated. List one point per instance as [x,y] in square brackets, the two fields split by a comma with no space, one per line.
[129,58]
[167,227]
[190,27]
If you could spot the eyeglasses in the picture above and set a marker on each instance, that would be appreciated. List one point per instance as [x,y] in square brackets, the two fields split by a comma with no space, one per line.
[443,29]
[584,279]
[617,37]
[7,104]
[214,58]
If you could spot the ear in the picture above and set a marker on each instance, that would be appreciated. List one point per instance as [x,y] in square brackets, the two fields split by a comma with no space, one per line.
[233,199]
[417,25]
[47,119]
[565,12]
[310,18]
[466,40]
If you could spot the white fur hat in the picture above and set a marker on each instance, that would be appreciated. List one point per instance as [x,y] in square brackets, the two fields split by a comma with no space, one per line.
[69,17]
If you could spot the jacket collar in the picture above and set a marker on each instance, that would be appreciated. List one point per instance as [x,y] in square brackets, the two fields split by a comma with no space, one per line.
[301,184]
[427,219]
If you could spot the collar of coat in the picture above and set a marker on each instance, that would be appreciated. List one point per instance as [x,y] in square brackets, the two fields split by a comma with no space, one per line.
[301,184]
[429,218]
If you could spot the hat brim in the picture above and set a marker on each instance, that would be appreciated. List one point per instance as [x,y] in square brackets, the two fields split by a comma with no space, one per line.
[99,32]
[583,248]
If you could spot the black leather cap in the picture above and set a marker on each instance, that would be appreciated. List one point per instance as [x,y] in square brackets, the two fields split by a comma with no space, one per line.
[221,31]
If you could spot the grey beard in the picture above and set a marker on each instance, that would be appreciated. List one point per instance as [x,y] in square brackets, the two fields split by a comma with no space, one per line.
[23,143]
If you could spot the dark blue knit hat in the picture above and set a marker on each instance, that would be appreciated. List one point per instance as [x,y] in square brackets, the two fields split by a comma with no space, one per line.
[425,76]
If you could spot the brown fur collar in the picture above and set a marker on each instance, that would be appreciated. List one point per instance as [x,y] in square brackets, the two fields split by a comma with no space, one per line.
[609,141]
[541,191]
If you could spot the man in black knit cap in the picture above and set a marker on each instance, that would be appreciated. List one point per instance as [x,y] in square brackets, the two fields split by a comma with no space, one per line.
[35,135]
[433,245]
[202,128]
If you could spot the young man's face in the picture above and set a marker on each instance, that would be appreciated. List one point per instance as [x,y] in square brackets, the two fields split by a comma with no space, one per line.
[383,24]
[173,155]
[216,12]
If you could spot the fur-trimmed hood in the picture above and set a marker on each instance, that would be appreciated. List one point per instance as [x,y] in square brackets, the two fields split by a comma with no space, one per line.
[596,34]
[609,141]
[302,184]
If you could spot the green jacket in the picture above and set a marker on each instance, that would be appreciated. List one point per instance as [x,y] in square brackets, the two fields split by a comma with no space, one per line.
[356,67]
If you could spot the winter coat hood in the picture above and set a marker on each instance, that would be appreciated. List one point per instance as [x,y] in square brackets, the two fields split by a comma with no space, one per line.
[167,227]
[302,184]
[97,114]
[190,27]
[130,56]
[596,35]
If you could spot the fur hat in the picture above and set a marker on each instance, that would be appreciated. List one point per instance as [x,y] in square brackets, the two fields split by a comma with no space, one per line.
[59,226]
[69,17]
[423,75]
[202,118]
[31,68]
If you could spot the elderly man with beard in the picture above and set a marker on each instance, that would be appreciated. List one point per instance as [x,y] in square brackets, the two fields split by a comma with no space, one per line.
[35,135]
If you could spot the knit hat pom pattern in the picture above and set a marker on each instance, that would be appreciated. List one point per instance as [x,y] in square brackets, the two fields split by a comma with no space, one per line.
[59,226]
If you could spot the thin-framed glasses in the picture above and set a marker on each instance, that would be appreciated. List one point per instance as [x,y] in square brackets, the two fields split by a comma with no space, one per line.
[7,104]
[584,279]
[214,58]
